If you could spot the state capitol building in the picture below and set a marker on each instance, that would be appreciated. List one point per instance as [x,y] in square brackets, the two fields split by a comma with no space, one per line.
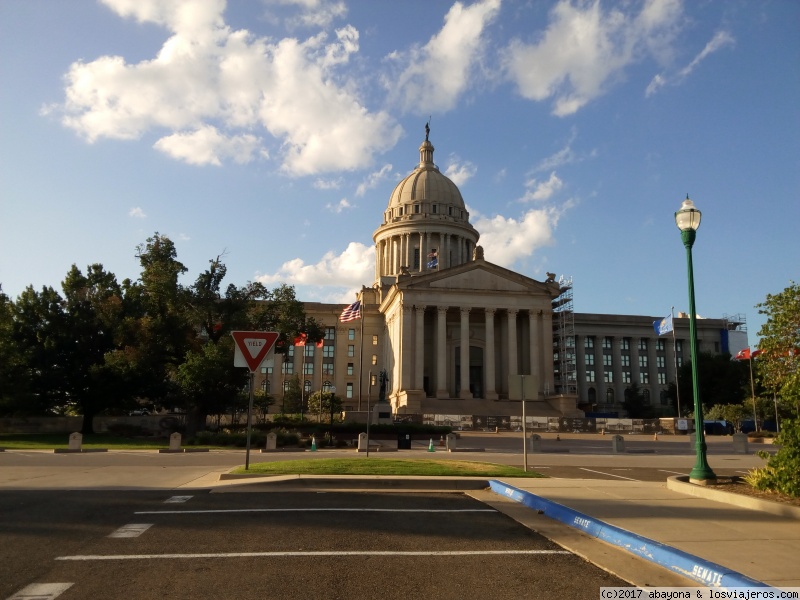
[457,336]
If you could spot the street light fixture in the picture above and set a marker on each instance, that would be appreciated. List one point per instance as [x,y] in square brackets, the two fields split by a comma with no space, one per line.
[688,220]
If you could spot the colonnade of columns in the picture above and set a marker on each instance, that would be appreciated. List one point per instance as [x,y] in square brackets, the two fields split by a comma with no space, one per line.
[398,251]
[510,346]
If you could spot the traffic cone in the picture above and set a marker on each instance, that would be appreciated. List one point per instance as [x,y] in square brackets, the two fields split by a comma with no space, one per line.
[313,444]
[655,436]
[430,446]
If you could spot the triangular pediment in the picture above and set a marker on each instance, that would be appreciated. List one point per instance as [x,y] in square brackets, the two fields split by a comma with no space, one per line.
[478,276]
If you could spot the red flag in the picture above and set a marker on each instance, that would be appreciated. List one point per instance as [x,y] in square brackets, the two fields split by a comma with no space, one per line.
[745,354]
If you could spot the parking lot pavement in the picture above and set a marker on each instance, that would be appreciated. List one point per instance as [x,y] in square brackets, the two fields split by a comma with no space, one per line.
[138,545]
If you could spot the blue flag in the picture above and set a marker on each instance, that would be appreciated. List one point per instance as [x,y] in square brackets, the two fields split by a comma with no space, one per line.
[663,326]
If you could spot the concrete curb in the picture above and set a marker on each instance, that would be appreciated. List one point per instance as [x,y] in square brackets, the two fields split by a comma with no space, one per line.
[361,483]
[677,561]
[680,483]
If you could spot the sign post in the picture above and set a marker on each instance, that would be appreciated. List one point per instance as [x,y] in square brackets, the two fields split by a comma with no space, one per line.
[252,347]
[517,386]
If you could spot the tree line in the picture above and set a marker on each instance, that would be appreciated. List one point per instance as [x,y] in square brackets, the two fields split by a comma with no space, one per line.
[101,345]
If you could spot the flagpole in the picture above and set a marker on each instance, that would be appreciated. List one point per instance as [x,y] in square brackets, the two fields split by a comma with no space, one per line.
[361,353]
[752,389]
[675,356]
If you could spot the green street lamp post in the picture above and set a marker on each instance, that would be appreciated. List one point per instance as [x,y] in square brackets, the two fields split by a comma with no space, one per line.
[688,220]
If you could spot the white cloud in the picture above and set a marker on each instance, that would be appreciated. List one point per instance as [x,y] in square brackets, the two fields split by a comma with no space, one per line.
[207,146]
[212,89]
[585,49]
[537,191]
[315,13]
[328,184]
[435,75]
[460,171]
[339,206]
[137,213]
[352,268]
[373,179]
[720,40]
[506,240]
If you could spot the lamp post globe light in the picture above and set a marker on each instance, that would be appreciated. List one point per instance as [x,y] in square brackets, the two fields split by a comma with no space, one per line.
[688,220]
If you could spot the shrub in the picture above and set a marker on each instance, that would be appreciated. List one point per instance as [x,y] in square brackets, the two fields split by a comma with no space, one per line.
[782,471]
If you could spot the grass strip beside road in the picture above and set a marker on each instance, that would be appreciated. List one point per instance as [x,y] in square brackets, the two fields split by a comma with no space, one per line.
[53,441]
[384,466]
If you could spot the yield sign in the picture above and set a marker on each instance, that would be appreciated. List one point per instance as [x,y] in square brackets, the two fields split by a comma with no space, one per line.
[253,346]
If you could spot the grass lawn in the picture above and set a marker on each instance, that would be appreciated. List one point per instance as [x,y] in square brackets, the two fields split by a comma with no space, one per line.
[51,441]
[384,466]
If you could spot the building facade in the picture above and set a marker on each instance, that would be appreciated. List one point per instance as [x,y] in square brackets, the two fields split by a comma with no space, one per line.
[455,334]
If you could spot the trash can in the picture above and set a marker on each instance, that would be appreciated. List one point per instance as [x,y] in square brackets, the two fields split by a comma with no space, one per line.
[404,441]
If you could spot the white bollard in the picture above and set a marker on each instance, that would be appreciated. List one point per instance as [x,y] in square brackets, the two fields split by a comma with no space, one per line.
[618,444]
[175,442]
[272,441]
[75,441]
[451,442]
[740,443]
[535,443]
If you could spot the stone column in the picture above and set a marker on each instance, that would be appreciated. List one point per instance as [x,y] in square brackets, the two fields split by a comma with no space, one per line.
[535,350]
[406,348]
[419,347]
[441,352]
[489,360]
[616,366]
[513,368]
[547,350]
[465,393]
[580,368]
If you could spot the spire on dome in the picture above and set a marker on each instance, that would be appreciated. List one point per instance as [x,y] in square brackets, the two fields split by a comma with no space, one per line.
[426,149]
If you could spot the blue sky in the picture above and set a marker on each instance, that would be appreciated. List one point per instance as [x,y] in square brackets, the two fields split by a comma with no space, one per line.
[273,132]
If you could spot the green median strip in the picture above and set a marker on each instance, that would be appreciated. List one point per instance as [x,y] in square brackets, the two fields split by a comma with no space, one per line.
[384,466]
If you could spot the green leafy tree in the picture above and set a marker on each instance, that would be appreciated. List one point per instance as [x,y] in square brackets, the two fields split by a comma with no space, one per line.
[782,471]
[634,404]
[93,307]
[38,333]
[292,396]
[721,381]
[731,413]
[324,403]
[161,331]
[778,365]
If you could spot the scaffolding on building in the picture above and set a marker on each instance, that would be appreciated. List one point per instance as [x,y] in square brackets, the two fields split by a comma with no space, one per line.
[564,358]
[737,322]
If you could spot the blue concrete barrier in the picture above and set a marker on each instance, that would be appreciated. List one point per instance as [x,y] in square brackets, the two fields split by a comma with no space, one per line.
[690,566]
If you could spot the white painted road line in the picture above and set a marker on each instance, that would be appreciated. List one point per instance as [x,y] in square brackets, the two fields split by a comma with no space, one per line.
[178,499]
[283,510]
[90,557]
[673,472]
[41,591]
[609,474]
[131,530]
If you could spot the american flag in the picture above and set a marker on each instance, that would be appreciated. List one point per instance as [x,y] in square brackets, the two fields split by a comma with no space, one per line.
[351,313]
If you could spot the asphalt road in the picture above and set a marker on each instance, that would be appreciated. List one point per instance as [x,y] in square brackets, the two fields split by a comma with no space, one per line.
[279,545]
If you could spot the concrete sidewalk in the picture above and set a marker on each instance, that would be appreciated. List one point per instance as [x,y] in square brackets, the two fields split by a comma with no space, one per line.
[707,541]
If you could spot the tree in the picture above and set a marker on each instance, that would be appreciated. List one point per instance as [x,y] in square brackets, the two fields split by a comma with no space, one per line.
[292,396]
[730,413]
[635,405]
[161,331]
[778,365]
[93,307]
[721,381]
[38,331]
[327,404]
[216,313]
